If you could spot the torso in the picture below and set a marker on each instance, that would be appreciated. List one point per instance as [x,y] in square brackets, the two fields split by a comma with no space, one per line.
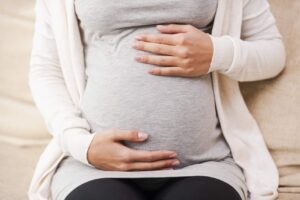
[178,113]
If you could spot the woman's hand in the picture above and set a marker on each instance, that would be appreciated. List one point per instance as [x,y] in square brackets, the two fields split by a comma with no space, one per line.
[187,51]
[106,152]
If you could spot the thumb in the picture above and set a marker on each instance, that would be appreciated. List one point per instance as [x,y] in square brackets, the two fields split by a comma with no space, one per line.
[130,135]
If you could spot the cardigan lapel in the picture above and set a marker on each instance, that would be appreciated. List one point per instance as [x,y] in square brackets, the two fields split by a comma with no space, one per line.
[76,48]
[70,50]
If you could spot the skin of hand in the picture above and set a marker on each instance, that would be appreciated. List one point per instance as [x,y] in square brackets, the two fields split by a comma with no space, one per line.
[107,152]
[183,50]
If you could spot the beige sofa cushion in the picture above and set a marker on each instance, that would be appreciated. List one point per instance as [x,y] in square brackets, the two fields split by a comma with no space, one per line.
[20,121]
[275,103]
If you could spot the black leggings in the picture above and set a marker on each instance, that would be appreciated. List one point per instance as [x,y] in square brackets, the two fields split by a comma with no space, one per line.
[162,188]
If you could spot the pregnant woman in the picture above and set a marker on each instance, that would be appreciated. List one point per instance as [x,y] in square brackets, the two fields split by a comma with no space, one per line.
[146,121]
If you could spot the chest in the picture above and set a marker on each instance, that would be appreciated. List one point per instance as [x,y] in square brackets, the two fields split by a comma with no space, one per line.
[112,15]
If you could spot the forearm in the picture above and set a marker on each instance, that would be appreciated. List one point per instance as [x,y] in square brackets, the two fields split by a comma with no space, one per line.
[258,54]
[62,118]
[247,60]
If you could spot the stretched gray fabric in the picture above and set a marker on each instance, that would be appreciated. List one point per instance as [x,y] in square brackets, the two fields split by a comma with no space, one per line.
[178,112]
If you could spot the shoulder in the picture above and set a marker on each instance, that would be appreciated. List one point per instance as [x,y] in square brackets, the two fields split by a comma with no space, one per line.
[42,11]
[256,8]
[41,8]
[255,3]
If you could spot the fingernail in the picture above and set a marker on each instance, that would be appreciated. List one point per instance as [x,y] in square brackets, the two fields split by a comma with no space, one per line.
[135,44]
[138,58]
[173,155]
[175,162]
[138,37]
[151,71]
[142,135]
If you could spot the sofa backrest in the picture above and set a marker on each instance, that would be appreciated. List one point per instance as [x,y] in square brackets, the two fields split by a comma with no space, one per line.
[20,121]
[275,103]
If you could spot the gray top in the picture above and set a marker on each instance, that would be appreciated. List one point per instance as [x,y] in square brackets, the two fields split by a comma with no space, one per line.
[178,112]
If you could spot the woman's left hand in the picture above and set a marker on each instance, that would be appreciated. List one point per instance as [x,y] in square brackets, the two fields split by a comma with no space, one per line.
[184,50]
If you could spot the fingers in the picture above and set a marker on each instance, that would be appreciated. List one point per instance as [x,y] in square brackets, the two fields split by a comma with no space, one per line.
[133,166]
[130,135]
[170,71]
[164,49]
[169,39]
[159,60]
[148,156]
[157,48]
[132,159]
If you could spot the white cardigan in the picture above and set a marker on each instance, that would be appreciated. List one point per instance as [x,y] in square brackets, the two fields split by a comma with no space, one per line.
[247,47]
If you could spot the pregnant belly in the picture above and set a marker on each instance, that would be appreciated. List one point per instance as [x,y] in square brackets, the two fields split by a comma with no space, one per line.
[178,113]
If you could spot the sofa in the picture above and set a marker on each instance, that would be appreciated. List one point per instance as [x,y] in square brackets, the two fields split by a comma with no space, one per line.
[275,103]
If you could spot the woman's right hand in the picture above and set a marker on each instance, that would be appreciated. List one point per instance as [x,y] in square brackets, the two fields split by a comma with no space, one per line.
[106,152]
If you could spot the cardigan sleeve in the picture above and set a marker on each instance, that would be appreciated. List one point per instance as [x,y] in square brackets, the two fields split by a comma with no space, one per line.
[258,54]
[62,118]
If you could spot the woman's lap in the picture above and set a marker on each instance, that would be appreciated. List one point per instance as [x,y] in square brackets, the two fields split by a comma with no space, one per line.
[106,189]
[175,188]
[197,188]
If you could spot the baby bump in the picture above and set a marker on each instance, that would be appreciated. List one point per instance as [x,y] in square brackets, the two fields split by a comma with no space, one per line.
[178,113]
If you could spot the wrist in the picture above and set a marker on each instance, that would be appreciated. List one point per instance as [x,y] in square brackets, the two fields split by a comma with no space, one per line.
[77,142]
[223,52]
